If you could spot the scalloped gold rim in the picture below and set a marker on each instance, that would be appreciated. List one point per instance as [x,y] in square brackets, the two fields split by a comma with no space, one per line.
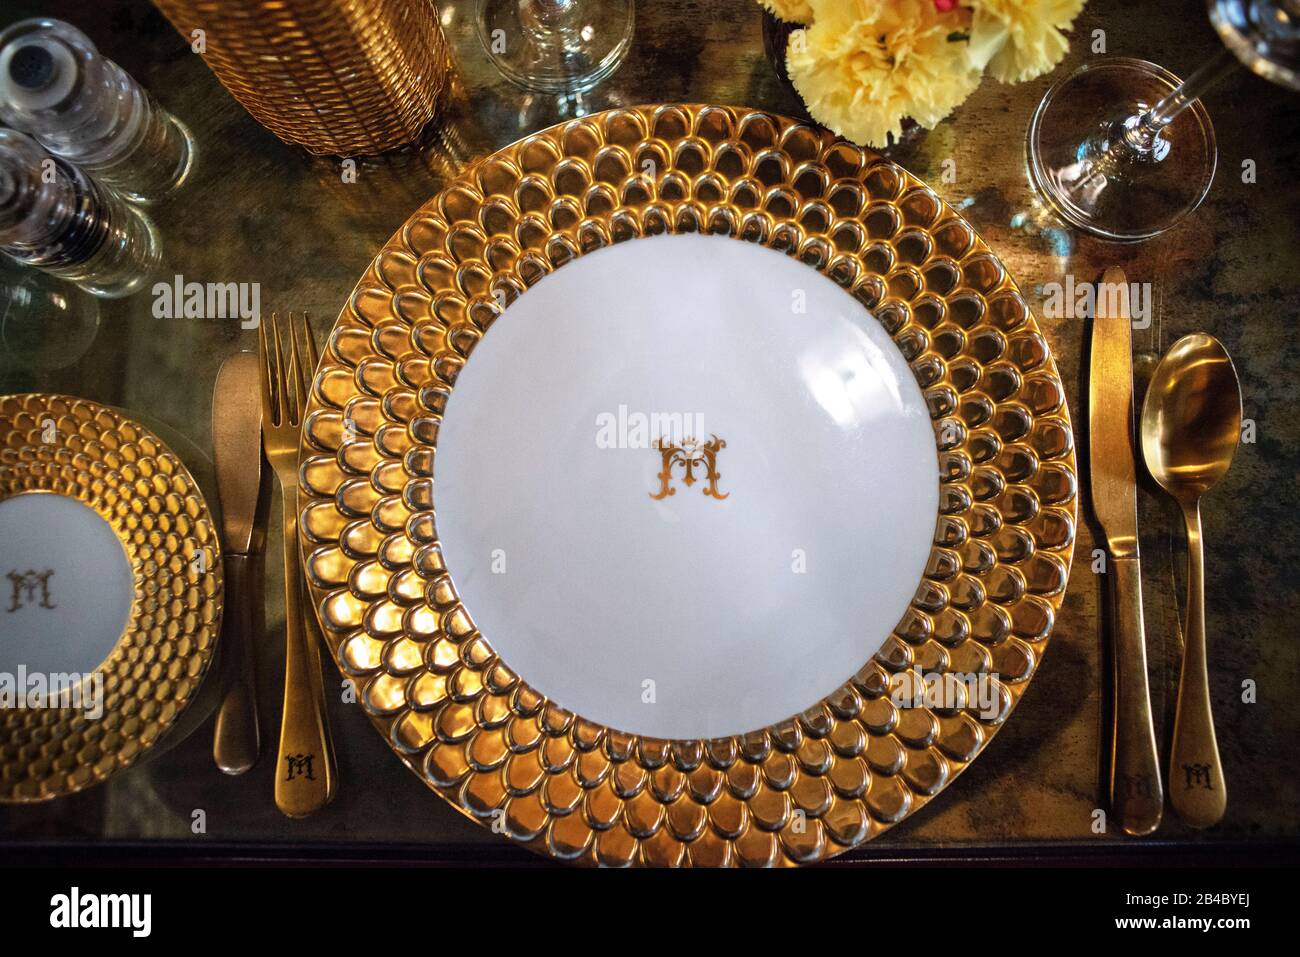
[143,490]
[851,765]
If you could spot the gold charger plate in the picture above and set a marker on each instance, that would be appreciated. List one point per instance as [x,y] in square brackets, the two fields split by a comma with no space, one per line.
[82,450]
[851,765]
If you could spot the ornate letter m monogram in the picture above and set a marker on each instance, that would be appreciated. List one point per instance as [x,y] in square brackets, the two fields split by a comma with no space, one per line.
[1133,785]
[690,455]
[28,583]
[1198,775]
[299,766]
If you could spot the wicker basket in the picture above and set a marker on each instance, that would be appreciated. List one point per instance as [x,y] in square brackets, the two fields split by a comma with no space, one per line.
[339,77]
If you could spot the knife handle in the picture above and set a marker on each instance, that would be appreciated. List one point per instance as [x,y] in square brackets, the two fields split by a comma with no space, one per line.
[1136,795]
[236,742]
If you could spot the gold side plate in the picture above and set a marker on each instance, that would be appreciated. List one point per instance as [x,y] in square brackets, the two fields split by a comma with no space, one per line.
[85,451]
[851,765]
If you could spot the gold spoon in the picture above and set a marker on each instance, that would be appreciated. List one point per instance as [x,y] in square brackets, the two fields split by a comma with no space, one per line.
[1191,421]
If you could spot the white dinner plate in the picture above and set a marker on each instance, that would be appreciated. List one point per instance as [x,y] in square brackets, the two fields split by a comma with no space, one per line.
[686,614]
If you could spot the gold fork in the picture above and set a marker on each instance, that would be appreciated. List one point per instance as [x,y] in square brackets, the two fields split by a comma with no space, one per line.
[304,777]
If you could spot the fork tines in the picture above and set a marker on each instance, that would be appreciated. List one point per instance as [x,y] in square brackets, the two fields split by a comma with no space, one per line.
[286,380]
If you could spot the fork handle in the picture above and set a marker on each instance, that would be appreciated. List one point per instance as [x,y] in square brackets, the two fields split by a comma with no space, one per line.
[304,780]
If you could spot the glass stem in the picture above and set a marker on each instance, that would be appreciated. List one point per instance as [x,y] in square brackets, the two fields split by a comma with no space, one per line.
[545,19]
[1143,131]
[544,14]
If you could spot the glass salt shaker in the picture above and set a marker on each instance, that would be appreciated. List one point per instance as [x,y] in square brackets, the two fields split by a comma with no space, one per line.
[84,108]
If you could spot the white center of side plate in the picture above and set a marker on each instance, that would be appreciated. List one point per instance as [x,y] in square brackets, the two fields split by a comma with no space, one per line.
[688,615]
[65,587]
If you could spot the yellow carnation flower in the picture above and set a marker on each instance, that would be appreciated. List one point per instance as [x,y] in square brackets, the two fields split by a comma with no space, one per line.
[1020,39]
[863,65]
[791,11]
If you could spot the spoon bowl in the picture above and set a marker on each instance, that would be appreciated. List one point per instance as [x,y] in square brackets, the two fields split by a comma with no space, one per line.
[1191,418]
[1191,422]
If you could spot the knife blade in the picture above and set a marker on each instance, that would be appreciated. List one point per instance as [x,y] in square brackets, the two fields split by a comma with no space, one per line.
[1136,793]
[237,451]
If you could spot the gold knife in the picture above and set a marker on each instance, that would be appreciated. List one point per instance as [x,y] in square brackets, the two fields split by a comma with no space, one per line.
[1136,795]
[237,447]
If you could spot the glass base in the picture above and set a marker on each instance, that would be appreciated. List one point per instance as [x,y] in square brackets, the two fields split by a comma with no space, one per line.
[46,323]
[556,46]
[1106,189]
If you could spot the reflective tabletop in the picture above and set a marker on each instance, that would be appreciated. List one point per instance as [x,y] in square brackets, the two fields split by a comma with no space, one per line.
[260,211]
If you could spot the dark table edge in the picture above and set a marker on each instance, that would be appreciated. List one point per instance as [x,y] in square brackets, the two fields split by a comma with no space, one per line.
[1115,853]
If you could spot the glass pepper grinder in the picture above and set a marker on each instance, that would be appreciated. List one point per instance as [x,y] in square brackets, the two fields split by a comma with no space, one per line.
[54,217]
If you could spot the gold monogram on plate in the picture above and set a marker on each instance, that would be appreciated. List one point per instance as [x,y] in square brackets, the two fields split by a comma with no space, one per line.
[690,454]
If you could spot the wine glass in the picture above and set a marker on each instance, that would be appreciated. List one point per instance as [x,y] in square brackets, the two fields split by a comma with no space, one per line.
[556,46]
[1123,149]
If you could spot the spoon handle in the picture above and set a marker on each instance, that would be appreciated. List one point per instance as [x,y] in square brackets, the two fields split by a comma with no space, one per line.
[1196,787]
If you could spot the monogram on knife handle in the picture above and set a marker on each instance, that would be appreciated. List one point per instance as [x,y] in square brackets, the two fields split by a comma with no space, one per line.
[237,451]
[304,779]
[1136,794]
